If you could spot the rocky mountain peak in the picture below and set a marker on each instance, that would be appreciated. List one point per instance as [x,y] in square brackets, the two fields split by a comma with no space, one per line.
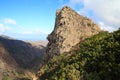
[70,29]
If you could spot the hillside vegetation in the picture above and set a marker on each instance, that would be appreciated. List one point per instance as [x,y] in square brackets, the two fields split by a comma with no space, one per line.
[97,59]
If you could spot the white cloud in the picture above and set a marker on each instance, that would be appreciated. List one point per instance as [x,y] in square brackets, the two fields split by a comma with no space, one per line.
[9,21]
[107,11]
[33,31]
[26,32]
[106,27]
[3,28]
[73,3]
[31,34]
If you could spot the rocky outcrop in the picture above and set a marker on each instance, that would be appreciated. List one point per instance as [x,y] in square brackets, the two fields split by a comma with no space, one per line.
[70,29]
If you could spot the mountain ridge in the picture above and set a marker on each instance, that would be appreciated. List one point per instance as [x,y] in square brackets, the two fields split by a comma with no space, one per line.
[18,57]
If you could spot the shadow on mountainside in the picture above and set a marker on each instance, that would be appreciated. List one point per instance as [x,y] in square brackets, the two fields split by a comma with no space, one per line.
[25,54]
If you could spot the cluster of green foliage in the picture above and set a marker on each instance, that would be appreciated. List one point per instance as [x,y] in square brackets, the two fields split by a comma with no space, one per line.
[98,59]
[5,78]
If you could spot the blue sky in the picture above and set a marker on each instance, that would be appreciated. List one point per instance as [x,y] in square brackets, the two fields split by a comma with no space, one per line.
[34,19]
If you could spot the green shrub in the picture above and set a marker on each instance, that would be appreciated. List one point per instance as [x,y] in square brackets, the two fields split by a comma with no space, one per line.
[97,59]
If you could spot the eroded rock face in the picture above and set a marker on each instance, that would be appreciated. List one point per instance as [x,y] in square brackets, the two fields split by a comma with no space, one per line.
[70,29]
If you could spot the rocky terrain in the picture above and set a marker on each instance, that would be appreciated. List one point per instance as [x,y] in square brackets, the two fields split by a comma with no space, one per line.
[70,29]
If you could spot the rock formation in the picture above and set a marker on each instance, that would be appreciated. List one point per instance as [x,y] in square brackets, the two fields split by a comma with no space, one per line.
[70,29]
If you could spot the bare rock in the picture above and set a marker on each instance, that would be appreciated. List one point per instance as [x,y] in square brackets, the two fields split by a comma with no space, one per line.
[70,29]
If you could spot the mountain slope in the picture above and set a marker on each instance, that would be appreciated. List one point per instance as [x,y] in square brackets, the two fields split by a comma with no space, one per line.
[19,58]
[22,52]
[8,66]
[98,59]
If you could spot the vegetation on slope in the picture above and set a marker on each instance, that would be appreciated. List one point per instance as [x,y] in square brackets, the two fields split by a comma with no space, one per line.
[98,59]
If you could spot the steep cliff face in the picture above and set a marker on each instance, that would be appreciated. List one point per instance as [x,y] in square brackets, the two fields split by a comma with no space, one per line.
[70,29]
